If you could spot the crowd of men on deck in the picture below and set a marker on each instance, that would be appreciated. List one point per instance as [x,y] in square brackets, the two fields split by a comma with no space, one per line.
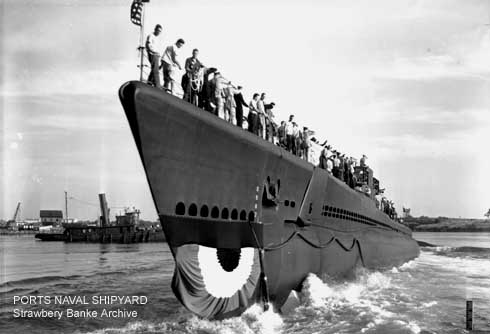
[208,89]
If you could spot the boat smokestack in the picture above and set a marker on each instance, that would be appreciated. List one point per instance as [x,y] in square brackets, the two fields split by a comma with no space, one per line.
[104,210]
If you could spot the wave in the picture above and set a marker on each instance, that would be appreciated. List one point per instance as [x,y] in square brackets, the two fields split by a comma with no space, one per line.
[368,304]
[318,293]
[372,302]
[468,251]
[17,291]
[252,321]
[41,280]
[36,280]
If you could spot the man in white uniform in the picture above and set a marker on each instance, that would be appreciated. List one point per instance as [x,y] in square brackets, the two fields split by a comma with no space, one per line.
[261,114]
[154,48]
[289,133]
[170,62]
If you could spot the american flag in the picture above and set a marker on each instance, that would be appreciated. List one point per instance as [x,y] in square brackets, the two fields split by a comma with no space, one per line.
[137,10]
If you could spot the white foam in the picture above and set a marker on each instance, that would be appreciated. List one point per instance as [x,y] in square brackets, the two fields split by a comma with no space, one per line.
[253,321]
[134,327]
[443,248]
[410,325]
[408,265]
[429,304]
[413,327]
[466,266]
[315,292]
[337,302]
[377,280]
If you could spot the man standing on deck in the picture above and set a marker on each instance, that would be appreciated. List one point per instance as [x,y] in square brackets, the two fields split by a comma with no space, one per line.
[289,133]
[323,160]
[329,163]
[206,95]
[153,48]
[281,133]
[192,68]
[252,115]
[352,182]
[240,103]
[363,161]
[270,125]
[261,114]
[306,143]
[296,139]
[217,86]
[170,62]
[336,165]
[230,104]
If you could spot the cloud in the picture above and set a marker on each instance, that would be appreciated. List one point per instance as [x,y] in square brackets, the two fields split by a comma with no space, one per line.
[426,67]
[51,114]
[465,55]
[400,81]
[67,47]
[86,81]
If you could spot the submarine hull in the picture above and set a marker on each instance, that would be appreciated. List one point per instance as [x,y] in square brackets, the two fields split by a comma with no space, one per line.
[246,220]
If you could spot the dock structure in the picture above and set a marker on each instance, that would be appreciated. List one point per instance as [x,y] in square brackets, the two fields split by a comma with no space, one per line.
[124,234]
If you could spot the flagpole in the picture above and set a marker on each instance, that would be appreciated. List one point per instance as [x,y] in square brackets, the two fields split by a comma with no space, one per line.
[142,38]
[137,16]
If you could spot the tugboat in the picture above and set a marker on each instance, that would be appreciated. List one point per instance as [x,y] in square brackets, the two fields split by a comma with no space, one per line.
[245,219]
[127,229]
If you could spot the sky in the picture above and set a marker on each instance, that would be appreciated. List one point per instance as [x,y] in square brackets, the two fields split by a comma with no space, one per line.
[405,82]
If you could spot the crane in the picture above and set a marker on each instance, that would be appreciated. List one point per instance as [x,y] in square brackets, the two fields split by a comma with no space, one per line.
[16,216]
[17,212]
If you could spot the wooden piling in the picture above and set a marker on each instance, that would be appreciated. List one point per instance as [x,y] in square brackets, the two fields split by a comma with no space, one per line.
[469,315]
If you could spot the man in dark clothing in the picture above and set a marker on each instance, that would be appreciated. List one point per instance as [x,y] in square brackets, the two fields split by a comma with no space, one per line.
[281,133]
[363,161]
[352,181]
[341,168]
[207,90]
[336,165]
[269,116]
[240,103]
[191,83]
[346,170]
[323,160]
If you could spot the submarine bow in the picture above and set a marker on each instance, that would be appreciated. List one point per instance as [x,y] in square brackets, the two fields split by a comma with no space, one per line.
[247,221]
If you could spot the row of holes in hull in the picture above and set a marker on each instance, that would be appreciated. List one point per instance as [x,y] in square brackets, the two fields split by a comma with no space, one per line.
[331,211]
[215,213]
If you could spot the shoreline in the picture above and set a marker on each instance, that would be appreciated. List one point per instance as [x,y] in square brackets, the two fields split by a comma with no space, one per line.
[445,224]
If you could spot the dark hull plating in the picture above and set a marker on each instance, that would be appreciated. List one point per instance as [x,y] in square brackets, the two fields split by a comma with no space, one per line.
[218,186]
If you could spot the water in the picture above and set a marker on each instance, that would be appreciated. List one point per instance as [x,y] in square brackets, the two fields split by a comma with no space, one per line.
[426,295]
